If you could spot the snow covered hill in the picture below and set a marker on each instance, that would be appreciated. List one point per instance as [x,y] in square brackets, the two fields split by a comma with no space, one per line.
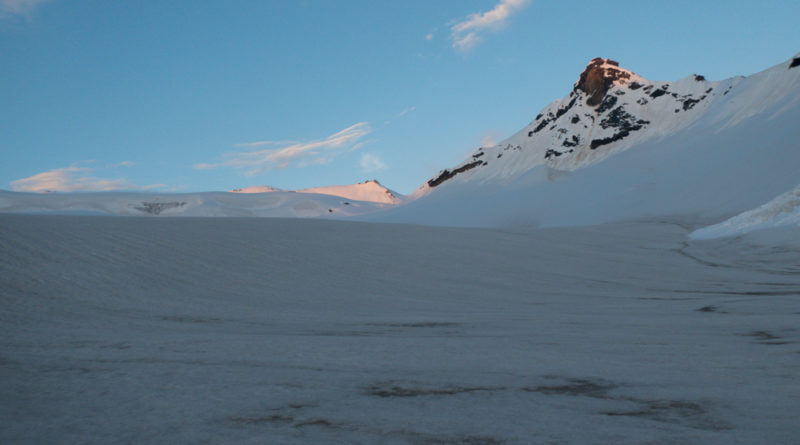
[783,211]
[691,147]
[274,204]
[369,191]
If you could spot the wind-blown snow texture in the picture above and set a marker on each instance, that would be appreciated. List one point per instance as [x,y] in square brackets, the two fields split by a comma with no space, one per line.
[242,330]
[706,150]
[229,330]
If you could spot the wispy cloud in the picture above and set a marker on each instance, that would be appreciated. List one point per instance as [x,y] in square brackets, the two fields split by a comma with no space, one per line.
[406,111]
[68,179]
[292,153]
[74,179]
[468,32]
[10,8]
[371,163]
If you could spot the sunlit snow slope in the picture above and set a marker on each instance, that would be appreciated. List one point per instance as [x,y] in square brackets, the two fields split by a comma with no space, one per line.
[369,191]
[692,147]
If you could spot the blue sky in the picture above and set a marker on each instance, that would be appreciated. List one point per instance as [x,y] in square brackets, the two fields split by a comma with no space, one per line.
[201,95]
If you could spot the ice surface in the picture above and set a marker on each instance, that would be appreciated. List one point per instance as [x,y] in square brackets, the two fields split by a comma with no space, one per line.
[244,330]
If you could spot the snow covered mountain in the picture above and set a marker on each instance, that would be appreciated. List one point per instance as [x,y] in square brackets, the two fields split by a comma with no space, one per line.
[275,204]
[617,147]
[706,149]
[368,191]
[263,201]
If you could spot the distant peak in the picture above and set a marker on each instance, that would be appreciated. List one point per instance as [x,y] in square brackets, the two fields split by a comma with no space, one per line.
[599,75]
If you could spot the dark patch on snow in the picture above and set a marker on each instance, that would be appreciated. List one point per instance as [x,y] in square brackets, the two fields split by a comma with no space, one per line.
[572,142]
[190,319]
[607,104]
[766,338]
[539,127]
[618,118]
[635,85]
[550,153]
[421,324]
[619,93]
[477,155]
[699,78]
[386,390]
[658,93]
[575,119]
[795,62]
[260,420]
[688,104]
[709,90]
[642,101]
[447,174]
[560,112]
[155,208]
[538,116]
[681,412]
[576,387]
[314,422]
[499,155]
[707,309]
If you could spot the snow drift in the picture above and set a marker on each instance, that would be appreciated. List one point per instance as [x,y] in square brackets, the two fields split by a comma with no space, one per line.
[783,211]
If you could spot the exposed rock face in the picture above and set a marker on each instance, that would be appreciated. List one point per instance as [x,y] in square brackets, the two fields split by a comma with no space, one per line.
[598,77]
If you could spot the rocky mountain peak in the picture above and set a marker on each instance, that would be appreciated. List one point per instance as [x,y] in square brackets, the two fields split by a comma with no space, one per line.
[600,74]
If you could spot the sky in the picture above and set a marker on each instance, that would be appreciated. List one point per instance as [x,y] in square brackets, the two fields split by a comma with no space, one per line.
[188,96]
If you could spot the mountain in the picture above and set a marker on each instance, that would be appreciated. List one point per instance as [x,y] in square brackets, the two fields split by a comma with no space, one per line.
[368,191]
[275,204]
[621,146]
[618,146]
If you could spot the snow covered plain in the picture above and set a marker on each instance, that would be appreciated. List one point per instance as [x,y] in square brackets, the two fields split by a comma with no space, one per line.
[229,330]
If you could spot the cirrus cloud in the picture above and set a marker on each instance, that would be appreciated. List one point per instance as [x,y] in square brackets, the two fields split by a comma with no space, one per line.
[292,153]
[467,33]
[74,179]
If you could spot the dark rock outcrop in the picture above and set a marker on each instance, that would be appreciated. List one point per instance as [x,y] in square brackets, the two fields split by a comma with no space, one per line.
[598,77]
[447,174]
